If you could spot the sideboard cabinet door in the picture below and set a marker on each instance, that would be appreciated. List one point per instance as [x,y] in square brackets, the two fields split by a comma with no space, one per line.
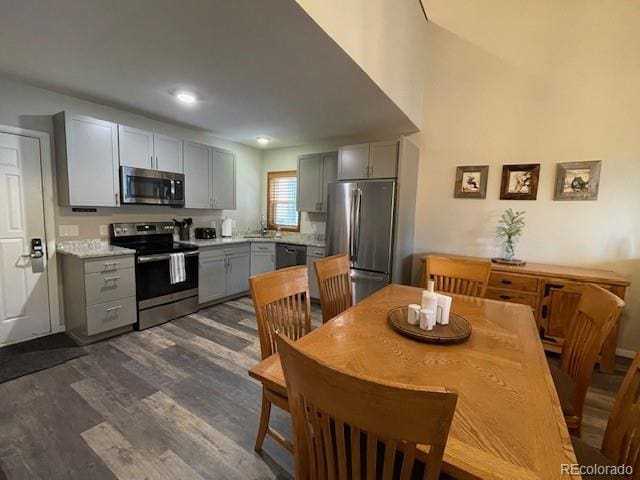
[559,304]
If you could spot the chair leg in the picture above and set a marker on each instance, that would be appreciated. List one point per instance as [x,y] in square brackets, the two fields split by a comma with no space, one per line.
[265,414]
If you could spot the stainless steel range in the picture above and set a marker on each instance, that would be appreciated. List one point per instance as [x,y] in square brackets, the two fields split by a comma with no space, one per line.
[158,299]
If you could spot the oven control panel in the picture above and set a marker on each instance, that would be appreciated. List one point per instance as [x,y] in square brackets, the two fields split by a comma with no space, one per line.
[131,229]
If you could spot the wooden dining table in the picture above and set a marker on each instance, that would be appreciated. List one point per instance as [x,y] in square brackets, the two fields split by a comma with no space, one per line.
[508,422]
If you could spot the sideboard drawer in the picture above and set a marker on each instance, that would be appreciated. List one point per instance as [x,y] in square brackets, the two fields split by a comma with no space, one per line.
[107,316]
[512,296]
[513,281]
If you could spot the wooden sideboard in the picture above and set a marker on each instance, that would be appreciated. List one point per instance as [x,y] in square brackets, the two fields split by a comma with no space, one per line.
[553,292]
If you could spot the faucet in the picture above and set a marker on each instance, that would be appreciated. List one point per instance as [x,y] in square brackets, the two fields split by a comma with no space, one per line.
[263,227]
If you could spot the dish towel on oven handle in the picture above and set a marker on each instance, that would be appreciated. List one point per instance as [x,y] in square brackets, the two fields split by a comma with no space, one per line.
[176,268]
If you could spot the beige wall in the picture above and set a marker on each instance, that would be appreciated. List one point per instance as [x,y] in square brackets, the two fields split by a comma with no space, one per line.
[484,109]
[25,106]
[385,38]
[287,159]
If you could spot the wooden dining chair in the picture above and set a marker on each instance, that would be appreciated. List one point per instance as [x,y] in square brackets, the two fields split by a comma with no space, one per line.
[465,276]
[351,427]
[281,303]
[334,283]
[621,442]
[595,317]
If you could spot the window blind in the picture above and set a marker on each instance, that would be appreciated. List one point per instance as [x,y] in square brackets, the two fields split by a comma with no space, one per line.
[281,200]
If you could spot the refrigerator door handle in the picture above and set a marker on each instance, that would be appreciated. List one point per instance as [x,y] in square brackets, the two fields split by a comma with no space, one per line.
[351,225]
[356,226]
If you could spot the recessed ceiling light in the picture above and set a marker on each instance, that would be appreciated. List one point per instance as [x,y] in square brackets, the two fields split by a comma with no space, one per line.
[263,140]
[185,97]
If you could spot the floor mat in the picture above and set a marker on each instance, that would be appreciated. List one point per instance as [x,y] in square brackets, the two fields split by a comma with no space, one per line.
[38,354]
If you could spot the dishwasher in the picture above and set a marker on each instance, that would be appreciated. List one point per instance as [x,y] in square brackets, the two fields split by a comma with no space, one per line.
[288,255]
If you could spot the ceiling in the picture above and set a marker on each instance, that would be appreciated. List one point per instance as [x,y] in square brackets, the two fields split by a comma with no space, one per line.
[261,68]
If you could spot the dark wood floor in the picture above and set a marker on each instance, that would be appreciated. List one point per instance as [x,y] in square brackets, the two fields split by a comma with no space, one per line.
[171,402]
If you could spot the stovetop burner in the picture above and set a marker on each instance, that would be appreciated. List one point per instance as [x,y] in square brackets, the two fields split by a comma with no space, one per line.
[147,238]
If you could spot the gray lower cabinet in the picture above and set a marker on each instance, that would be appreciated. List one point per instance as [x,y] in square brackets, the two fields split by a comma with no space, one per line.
[99,296]
[313,254]
[223,271]
[238,270]
[212,276]
[263,258]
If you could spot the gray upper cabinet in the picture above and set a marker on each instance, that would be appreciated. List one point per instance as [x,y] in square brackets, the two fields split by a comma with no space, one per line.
[209,177]
[315,171]
[197,175]
[136,147]
[223,182]
[383,159]
[353,162]
[168,153]
[369,160]
[329,174]
[87,161]
[309,180]
[142,149]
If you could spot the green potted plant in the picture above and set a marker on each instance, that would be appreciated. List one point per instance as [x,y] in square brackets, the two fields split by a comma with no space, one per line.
[509,231]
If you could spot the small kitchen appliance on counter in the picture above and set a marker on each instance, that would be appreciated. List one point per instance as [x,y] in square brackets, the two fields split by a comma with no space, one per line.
[205,233]
[227,224]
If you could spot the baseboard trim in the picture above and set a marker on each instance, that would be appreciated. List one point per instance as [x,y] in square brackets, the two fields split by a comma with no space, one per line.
[622,352]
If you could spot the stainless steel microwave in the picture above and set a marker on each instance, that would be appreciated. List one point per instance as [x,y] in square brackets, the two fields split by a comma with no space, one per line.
[141,185]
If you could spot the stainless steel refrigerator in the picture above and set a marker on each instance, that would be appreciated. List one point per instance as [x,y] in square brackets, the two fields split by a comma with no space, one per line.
[360,223]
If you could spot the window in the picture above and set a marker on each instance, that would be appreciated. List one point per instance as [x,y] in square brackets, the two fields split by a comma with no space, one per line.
[281,201]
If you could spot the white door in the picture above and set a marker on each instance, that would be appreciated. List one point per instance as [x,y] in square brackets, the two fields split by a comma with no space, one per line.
[136,147]
[197,176]
[24,297]
[223,183]
[168,153]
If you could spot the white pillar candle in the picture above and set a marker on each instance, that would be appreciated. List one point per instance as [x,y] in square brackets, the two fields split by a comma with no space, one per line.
[427,319]
[413,314]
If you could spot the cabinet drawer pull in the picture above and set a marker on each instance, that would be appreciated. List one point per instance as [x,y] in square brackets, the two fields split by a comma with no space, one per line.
[110,264]
[113,309]
[505,297]
[507,282]
[111,279]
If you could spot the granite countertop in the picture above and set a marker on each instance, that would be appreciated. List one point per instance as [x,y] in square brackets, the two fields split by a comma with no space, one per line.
[91,249]
[306,240]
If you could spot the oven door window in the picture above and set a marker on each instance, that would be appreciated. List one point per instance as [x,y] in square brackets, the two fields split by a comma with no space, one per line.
[145,188]
[153,279]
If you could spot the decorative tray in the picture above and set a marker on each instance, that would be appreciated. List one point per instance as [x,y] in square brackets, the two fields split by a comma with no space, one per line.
[457,331]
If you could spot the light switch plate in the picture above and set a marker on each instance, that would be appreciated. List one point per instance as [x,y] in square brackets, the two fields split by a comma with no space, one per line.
[104,230]
[69,230]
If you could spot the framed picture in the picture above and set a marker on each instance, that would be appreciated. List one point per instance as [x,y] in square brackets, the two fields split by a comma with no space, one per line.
[520,182]
[577,180]
[471,181]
